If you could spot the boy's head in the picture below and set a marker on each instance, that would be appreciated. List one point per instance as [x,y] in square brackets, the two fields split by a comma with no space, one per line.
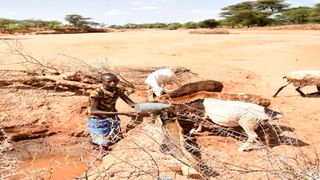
[109,81]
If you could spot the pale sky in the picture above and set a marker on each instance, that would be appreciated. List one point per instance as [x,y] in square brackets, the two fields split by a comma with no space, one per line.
[122,11]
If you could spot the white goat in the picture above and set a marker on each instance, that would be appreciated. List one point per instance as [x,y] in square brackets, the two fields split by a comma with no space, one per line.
[301,79]
[237,113]
[157,79]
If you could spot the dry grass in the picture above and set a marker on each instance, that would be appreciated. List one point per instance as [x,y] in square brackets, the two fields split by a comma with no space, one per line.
[210,31]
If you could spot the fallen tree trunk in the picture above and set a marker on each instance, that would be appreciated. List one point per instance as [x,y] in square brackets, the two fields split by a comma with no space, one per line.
[71,81]
[50,80]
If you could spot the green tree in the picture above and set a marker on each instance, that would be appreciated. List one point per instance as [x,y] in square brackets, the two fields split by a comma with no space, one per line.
[160,25]
[78,21]
[115,27]
[297,15]
[56,25]
[4,23]
[174,26]
[272,6]
[244,14]
[190,25]
[26,24]
[12,27]
[314,15]
[208,23]
[130,26]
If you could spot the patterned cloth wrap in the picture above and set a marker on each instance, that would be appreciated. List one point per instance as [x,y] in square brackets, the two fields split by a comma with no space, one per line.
[104,131]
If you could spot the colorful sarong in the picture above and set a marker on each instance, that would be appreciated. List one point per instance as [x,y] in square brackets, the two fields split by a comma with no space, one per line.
[104,131]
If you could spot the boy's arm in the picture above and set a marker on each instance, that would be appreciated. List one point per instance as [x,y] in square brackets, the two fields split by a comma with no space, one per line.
[126,99]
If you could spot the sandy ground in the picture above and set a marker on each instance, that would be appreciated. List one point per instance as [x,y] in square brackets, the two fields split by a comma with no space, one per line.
[245,61]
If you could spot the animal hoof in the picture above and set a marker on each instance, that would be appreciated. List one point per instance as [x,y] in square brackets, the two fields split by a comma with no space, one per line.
[245,149]
[241,149]
[250,146]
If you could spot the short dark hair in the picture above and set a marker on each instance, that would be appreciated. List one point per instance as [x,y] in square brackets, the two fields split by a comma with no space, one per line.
[104,75]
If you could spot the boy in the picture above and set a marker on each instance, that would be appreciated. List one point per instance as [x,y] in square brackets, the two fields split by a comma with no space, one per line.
[103,120]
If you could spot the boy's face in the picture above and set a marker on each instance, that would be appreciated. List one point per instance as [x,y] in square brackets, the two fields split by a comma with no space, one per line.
[109,82]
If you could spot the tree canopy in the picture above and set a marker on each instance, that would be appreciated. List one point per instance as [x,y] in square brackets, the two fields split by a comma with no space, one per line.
[244,14]
[209,23]
[268,12]
[273,6]
[314,15]
[79,21]
[298,15]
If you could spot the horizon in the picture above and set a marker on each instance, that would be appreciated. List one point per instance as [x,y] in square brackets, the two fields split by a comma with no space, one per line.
[123,11]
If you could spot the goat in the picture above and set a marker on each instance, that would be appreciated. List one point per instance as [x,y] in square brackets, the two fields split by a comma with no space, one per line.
[236,113]
[190,88]
[301,79]
[223,96]
[227,114]
[157,79]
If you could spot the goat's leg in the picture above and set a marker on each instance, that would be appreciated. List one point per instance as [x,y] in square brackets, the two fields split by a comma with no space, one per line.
[275,95]
[200,125]
[318,87]
[269,133]
[248,125]
[150,93]
[199,129]
[300,92]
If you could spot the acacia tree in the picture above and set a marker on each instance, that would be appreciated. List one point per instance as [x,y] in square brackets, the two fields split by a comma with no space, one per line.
[78,21]
[5,22]
[254,13]
[298,15]
[209,23]
[244,14]
[272,6]
[314,15]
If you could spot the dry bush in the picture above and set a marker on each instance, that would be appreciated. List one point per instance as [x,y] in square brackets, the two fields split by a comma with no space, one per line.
[210,31]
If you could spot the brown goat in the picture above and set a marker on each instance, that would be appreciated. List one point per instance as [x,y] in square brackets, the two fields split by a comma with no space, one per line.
[222,96]
[190,88]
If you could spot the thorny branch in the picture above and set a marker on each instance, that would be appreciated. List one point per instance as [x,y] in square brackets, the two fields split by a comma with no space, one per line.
[39,74]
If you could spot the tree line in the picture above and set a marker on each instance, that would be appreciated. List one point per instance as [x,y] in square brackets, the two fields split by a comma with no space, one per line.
[244,14]
[268,13]
[75,22]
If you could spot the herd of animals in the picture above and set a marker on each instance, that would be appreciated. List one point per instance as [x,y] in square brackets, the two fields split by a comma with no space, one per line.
[225,109]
